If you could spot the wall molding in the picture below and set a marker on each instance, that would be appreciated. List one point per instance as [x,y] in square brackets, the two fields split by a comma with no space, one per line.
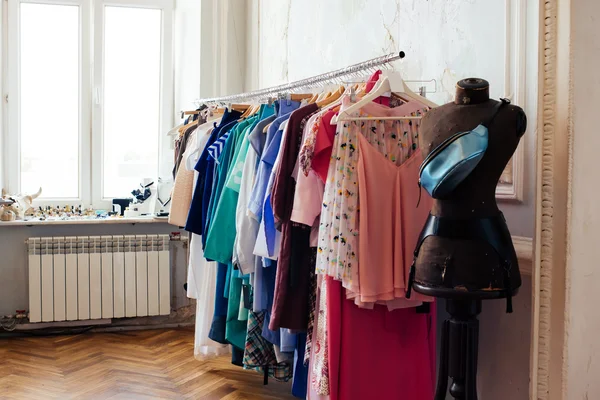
[553,187]
[515,47]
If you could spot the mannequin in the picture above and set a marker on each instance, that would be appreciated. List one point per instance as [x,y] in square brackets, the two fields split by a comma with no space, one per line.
[456,262]
[444,265]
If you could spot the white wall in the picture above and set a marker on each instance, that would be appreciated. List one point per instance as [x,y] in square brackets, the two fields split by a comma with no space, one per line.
[583,281]
[187,54]
[446,40]
[210,49]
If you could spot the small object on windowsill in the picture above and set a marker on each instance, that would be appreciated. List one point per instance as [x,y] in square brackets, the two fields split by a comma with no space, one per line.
[8,215]
[21,203]
[66,214]
[101,214]
[129,213]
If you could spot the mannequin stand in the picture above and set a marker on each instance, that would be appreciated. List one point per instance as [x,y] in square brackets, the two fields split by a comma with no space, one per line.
[459,350]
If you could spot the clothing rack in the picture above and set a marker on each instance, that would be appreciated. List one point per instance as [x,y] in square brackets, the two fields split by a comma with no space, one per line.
[308,82]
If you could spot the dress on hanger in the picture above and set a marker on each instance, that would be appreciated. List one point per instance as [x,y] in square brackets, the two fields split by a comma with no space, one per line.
[378,354]
[318,345]
[223,169]
[338,252]
[196,253]
[389,216]
[218,329]
[222,233]
[316,154]
[246,226]
[290,305]
[201,277]
[308,197]
[205,167]
[183,187]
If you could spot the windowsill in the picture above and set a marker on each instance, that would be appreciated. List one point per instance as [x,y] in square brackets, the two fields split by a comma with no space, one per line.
[134,220]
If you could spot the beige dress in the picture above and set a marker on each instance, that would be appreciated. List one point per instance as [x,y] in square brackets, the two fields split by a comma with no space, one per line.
[183,188]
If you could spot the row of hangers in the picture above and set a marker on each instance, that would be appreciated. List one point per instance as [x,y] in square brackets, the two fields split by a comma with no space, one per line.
[324,90]
[389,82]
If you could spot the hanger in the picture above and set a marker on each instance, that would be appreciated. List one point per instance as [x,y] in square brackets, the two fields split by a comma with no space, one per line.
[240,107]
[300,96]
[248,112]
[398,86]
[323,95]
[318,91]
[196,150]
[387,83]
[186,126]
[193,112]
[255,109]
[332,97]
[266,128]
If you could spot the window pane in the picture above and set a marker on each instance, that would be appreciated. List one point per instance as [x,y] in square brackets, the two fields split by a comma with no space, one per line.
[49,103]
[132,51]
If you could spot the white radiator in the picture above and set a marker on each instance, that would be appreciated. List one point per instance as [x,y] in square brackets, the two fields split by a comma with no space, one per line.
[94,277]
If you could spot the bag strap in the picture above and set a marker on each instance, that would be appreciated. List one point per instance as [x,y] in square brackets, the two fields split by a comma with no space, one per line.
[497,108]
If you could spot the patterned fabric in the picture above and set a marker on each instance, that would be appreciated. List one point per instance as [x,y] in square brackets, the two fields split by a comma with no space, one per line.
[281,372]
[320,367]
[338,234]
[216,148]
[308,146]
[259,352]
[312,305]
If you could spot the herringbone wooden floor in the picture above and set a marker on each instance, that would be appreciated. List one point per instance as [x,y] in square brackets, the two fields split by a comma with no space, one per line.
[126,365]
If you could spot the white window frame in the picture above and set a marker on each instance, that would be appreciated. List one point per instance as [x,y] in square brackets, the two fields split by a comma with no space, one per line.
[12,130]
[91,77]
[166,90]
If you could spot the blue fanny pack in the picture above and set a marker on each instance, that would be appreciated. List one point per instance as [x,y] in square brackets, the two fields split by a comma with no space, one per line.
[455,158]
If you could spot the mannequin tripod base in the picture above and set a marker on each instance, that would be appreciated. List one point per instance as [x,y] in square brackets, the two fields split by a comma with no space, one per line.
[460,339]
[459,350]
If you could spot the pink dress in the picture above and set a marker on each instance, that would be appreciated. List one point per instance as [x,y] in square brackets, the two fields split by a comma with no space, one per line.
[372,188]
[338,246]
[378,354]
[390,222]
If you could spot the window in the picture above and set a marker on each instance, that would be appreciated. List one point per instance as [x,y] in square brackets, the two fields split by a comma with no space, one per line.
[49,98]
[132,88]
[89,89]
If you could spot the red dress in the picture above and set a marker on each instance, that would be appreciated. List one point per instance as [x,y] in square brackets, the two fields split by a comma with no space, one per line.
[379,354]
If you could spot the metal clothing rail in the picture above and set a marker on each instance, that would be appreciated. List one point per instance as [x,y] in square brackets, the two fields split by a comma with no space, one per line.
[308,82]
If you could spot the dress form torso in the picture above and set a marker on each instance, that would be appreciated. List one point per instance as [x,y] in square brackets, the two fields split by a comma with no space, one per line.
[458,264]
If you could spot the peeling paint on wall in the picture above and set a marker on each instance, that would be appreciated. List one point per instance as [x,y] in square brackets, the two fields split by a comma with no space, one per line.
[300,38]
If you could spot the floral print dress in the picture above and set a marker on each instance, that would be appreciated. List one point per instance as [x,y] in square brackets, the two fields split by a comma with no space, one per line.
[337,253]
